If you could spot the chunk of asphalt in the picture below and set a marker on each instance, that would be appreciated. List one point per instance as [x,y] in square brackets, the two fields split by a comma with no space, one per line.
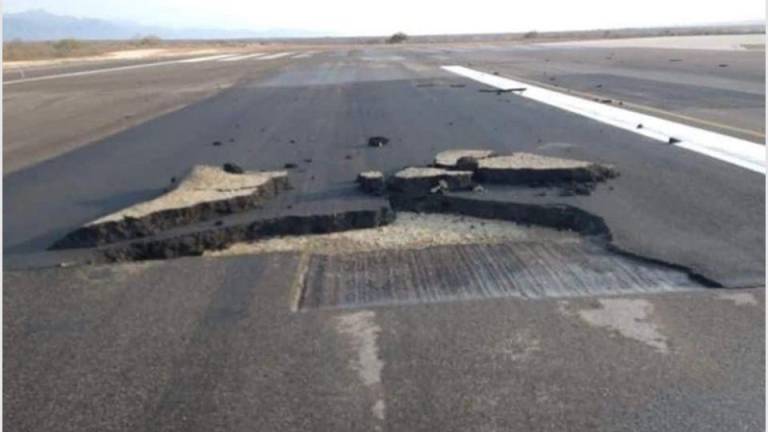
[372,182]
[196,242]
[232,168]
[527,169]
[378,141]
[205,194]
[450,158]
[420,181]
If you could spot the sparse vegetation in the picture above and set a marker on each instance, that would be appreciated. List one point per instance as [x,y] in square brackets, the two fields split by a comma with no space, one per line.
[531,34]
[17,50]
[65,47]
[398,37]
[148,41]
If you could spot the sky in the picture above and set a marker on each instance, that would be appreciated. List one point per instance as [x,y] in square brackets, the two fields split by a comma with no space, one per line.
[382,17]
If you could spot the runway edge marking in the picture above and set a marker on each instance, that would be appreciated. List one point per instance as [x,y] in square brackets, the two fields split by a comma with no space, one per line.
[723,147]
[115,69]
[241,57]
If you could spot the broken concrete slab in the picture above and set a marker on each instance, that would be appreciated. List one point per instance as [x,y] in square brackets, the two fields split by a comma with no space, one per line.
[195,242]
[527,169]
[421,180]
[204,194]
[450,158]
[372,182]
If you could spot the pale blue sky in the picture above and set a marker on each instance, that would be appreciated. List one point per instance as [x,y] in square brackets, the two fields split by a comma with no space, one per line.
[344,17]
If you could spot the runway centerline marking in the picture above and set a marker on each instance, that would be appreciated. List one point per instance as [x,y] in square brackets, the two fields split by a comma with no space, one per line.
[115,69]
[723,147]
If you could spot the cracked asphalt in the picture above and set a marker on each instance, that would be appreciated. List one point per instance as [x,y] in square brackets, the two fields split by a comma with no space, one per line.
[212,343]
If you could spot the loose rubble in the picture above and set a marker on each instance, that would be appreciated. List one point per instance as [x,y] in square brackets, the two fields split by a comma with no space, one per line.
[378,141]
[410,230]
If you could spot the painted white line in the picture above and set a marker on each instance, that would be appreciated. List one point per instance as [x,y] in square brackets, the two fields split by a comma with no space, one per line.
[276,56]
[113,69]
[726,148]
[241,57]
[305,55]
[208,58]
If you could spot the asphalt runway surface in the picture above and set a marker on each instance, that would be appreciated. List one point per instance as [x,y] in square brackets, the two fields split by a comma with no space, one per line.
[212,344]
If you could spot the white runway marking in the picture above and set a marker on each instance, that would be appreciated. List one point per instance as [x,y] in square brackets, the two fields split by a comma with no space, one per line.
[723,147]
[115,69]
[208,58]
[276,55]
[305,55]
[241,57]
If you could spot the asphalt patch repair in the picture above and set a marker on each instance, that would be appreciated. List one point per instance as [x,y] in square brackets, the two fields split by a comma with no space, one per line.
[215,212]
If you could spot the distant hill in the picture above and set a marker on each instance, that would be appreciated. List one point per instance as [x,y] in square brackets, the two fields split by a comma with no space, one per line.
[37,25]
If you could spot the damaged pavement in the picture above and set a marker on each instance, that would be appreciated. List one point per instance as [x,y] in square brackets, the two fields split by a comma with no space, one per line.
[277,333]
[213,209]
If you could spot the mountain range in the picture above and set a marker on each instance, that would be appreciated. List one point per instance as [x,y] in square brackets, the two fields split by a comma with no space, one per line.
[37,25]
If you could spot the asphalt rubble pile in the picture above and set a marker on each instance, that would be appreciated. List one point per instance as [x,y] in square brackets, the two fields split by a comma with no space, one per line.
[456,179]
[212,208]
